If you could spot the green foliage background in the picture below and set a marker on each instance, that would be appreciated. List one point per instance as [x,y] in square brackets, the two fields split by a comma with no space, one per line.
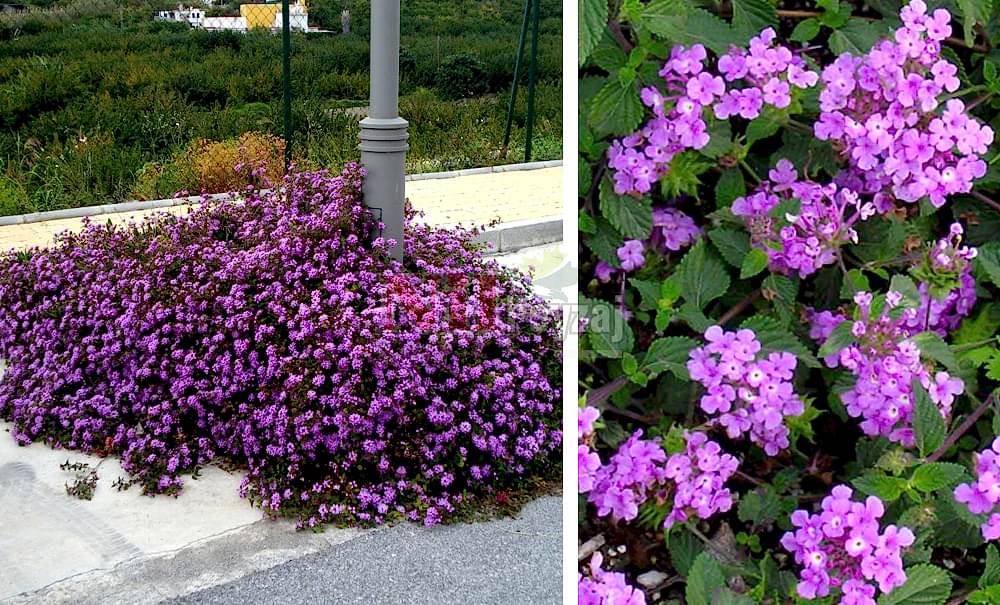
[94,91]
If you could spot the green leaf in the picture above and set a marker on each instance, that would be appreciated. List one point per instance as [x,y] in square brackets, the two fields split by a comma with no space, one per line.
[882,486]
[720,139]
[605,242]
[702,276]
[928,425]
[704,578]
[925,585]
[754,262]
[669,354]
[973,12]
[751,16]
[760,507]
[695,26]
[730,186]
[649,292]
[805,31]
[988,261]
[857,36]
[984,325]
[766,124]
[906,286]
[593,19]
[732,244]
[991,573]
[840,338]
[684,549]
[632,217]
[986,595]
[608,331]
[932,476]
[616,109]
[775,337]
[855,281]
[682,177]
[932,346]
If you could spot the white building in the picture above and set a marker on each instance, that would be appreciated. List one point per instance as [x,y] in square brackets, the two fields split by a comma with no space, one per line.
[195,17]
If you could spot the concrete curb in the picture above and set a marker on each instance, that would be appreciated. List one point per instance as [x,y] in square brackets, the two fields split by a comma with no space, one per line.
[511,237]
[135,206]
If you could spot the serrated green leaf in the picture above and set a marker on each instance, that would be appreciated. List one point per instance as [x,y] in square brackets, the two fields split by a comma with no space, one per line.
[932,476]
[732,244]
[973,12]
[991,571]
[925,585]
[932,346]
[605,242]
[988,261]
[854,281]
[805,31]
[752,16]
[753,263]
[839,338]
[682,176]
[684,549]
[593,19]
[608,332]
[730,186]
[928,425]
[632,217]
[774,337]
[761,506]
[649,292]
[908,288]
[695,26]
[704,577]
[766,124]
[616,109]
[669,354]
[857,36]
[703,277]
[882,486]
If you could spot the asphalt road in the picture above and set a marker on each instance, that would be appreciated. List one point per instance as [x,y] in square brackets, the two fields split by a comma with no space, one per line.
[503,562]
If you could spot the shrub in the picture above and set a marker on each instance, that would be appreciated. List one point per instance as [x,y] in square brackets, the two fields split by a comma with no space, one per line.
[792,276]
[270,332]
[462,76]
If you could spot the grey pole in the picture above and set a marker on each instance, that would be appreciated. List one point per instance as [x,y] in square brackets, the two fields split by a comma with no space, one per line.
[383,132]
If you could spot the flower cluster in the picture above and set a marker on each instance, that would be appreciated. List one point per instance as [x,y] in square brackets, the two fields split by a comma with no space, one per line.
[947,287]
[884,107]
[700,473]
[769,69]
[885,361]
[842,547]
[606,587]
[983,496]
[808,237]
[588,462]
[277,332]
[763,75]
[694,479]
[746,393]
[672,231]
[634,473]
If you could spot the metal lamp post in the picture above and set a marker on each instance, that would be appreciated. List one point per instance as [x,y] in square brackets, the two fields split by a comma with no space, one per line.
[383,132]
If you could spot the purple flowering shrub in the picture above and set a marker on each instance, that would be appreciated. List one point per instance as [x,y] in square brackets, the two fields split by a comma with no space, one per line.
[790,303]
[276,334]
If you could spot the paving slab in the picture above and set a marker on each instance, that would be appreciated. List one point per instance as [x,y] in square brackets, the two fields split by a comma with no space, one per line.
[471,200]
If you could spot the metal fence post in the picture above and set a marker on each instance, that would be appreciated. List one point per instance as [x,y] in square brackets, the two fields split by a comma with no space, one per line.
[286,78]
[383,133]
[529,128]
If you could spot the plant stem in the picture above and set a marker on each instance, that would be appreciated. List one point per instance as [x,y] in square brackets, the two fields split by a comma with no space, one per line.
[738,307]
[962,428]
[972,345]
[740,474]
[598,396]
[979,100]
[982,198]
[747,167]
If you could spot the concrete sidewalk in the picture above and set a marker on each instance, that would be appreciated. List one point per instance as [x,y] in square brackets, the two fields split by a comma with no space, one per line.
[514,196]
[122,547]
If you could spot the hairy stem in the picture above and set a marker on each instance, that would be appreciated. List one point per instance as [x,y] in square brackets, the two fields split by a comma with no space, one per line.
[970,420]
